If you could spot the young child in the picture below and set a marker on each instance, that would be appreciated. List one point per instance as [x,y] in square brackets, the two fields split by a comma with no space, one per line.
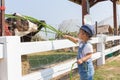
[85,50]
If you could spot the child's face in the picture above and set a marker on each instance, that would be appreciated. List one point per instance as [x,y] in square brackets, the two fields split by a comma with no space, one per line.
[82,35]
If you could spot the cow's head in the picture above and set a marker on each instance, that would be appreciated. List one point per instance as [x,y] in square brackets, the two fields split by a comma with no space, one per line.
[17,24]
[22,27]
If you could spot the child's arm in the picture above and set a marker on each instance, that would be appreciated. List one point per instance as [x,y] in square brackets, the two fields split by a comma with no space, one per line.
[73,39]
[80,61]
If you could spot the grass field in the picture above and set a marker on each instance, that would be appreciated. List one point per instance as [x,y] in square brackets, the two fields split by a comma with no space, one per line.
[109,71]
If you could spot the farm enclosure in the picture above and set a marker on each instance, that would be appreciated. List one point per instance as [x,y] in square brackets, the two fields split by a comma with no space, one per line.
[11,59]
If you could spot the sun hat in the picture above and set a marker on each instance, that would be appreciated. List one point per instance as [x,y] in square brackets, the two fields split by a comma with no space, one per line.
[89,29]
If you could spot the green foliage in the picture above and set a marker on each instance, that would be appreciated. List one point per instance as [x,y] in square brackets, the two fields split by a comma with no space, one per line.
[36,21]
[40,61]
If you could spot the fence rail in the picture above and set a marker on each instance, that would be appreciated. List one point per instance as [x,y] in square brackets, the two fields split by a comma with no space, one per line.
[11,50]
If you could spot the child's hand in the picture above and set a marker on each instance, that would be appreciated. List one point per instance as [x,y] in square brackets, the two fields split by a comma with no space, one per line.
[65,36]
[79,61]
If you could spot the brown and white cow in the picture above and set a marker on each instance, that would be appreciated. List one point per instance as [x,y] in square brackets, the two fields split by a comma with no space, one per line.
[20,27]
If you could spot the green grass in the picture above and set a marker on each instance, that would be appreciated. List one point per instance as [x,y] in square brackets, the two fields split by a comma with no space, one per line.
[113,63]
[109,71]
[40,61]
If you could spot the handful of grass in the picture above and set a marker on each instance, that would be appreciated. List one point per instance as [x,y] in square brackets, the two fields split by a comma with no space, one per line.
[71,70]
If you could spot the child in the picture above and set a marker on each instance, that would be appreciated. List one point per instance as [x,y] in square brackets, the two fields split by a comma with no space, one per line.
[85,50]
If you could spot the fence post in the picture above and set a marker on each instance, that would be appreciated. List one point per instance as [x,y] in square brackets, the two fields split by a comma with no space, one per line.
[101,48]
[10,65]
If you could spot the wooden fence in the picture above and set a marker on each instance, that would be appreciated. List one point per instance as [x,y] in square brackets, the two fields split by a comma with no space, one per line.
[11,50]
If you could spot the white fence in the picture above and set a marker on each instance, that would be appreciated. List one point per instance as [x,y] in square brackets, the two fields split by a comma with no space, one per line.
[11,50]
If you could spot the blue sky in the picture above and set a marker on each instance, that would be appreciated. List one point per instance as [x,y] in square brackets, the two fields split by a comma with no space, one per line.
[55,11]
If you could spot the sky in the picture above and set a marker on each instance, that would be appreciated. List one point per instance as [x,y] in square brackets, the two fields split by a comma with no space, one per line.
[56,11]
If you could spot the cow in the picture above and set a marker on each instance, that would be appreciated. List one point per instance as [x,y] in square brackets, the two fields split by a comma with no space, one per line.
[21,27]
